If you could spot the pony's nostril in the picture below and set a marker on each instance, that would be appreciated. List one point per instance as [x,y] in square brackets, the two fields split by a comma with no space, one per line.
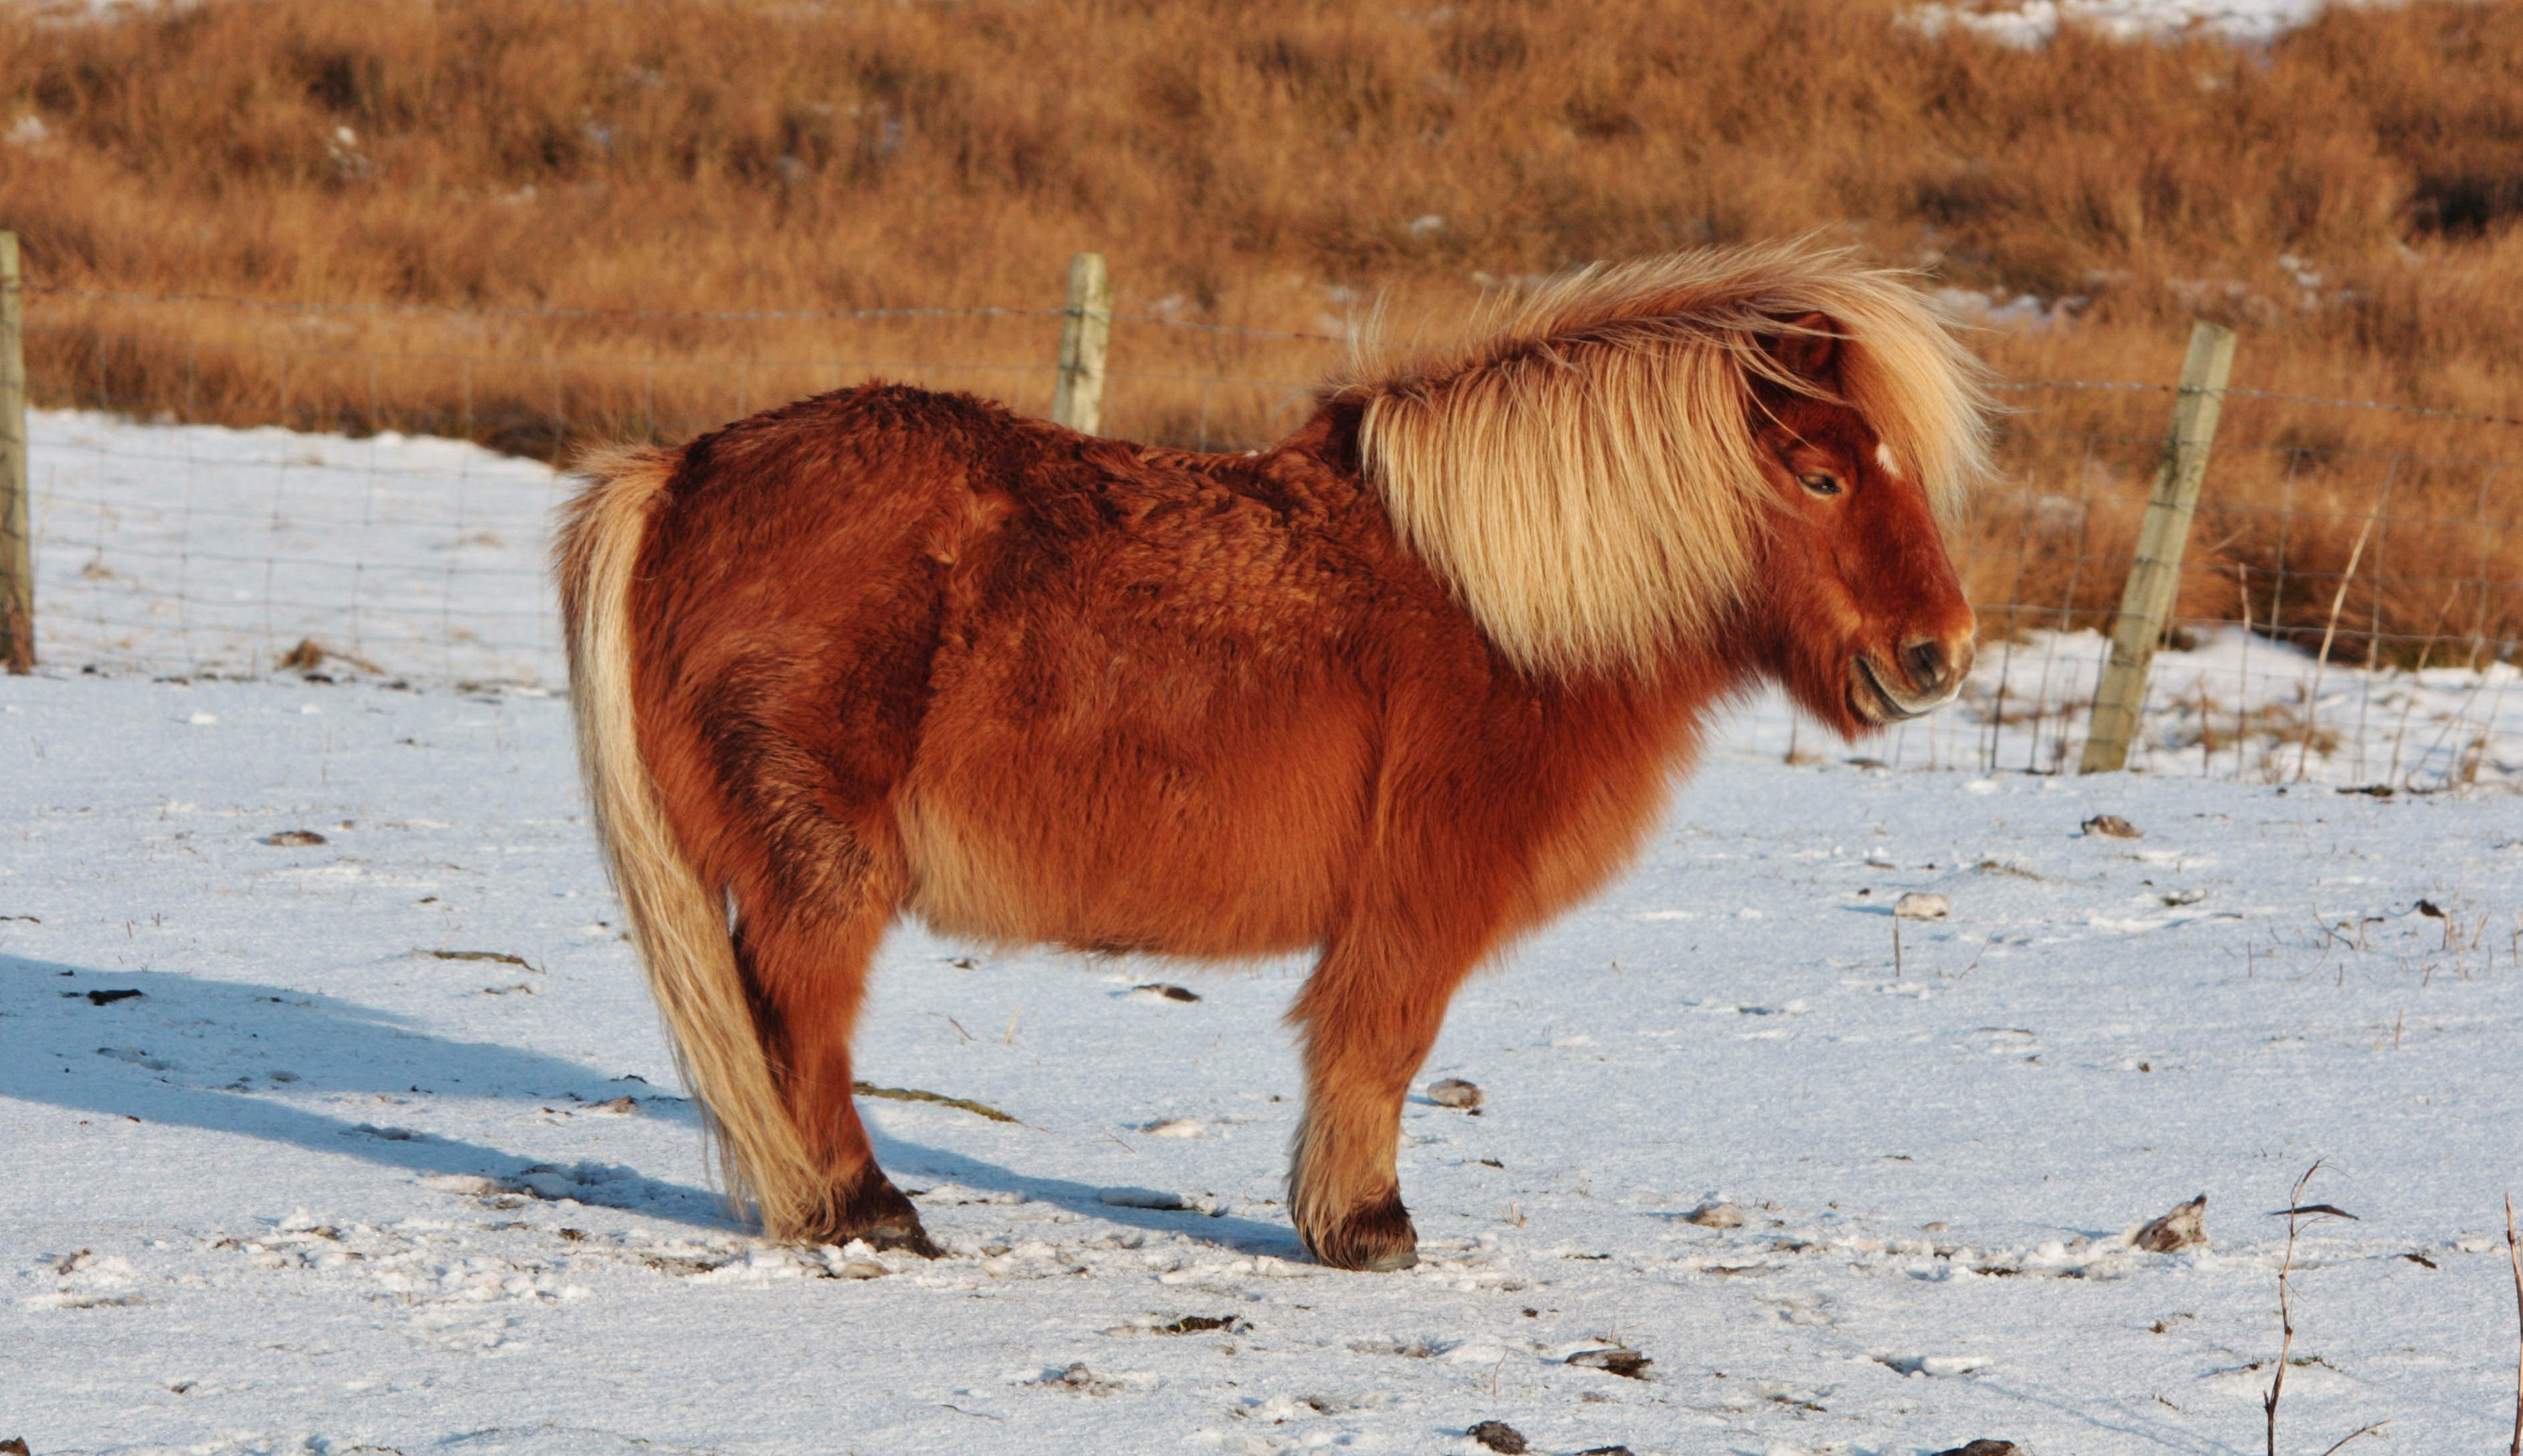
[1926,661]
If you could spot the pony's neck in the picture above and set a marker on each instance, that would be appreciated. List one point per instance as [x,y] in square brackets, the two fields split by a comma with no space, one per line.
[1329,435]
[1733,660]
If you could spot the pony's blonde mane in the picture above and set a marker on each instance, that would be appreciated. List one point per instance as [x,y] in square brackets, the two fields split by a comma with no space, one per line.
[1581,470]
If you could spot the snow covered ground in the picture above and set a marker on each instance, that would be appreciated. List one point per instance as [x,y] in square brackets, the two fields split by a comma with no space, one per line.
[199,549]
[2032,23]
[356,1168]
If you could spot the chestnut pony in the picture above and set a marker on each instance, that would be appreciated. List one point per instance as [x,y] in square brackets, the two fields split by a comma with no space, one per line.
[1396,690]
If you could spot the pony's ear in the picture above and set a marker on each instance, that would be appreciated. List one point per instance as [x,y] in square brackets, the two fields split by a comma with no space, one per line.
[1809,348]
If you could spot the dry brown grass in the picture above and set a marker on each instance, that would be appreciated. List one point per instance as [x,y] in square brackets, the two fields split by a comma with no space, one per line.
[1260,165]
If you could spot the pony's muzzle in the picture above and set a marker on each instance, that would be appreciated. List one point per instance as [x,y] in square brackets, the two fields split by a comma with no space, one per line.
[1937,666]
[1929,672]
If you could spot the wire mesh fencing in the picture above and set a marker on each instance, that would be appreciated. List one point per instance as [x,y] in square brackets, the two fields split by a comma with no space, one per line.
[2351,606]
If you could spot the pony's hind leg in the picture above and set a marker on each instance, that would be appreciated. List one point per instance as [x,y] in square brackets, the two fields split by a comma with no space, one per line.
[807,976]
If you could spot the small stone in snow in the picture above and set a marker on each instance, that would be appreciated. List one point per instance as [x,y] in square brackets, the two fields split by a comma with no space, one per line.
[2113,826]
[1982,1448]
[1076,1377]
[2186,1227]
[547,1183]
[1628,1363]
[1715,1216]
[1606,1450]
[1174,1127]
[293,838]
[1165,992]
[1500,1437]
[1455,1091]
[621,1104]
[1918,907]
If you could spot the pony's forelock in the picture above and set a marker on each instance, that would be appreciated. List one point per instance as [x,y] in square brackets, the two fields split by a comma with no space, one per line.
[1581,467]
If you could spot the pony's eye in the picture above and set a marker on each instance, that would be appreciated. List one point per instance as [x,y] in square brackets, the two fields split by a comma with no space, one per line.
[1819,482]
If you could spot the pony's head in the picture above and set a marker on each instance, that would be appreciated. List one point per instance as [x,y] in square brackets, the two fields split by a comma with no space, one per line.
[1858,611]
[1749,454]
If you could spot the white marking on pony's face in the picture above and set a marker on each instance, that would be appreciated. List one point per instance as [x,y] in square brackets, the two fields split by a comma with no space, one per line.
[1884,457]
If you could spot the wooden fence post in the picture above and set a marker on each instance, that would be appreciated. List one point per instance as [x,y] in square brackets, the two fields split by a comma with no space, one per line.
[17,545]
[1079,400]
[2155,575]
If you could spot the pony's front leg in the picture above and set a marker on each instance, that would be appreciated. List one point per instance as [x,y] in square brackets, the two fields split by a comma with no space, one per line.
[1369,1014]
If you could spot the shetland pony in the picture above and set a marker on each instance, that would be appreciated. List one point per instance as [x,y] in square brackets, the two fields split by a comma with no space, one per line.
[1396,690]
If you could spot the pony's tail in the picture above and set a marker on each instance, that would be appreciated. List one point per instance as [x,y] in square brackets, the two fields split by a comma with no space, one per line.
[679,923]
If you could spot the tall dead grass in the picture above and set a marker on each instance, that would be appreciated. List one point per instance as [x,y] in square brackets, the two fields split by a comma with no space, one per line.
[2347,196]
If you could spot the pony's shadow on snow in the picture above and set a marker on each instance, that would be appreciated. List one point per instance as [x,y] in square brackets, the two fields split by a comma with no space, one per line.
[252,1061]
[911,1165]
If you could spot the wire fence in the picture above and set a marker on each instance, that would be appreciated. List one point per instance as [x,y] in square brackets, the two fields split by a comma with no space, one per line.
[2351,608]
[2347,611]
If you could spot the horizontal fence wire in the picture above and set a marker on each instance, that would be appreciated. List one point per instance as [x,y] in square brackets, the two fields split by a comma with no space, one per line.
[2350,610]
[733,315]
[2231,392]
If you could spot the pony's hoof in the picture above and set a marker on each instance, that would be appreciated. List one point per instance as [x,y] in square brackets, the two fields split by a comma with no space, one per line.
[1392,1260]
[1375,1238]
[873,1209]
[913,1239]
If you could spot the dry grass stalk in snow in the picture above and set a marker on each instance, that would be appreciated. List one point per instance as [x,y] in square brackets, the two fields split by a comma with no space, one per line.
[2296,1211]
[2514,1257]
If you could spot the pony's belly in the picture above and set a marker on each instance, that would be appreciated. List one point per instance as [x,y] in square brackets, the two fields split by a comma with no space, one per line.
[1245,849]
